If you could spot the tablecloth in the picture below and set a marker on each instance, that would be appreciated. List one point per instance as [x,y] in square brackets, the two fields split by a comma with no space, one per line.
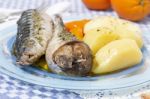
[11,88]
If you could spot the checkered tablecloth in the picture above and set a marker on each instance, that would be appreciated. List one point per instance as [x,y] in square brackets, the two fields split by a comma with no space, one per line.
[11,88]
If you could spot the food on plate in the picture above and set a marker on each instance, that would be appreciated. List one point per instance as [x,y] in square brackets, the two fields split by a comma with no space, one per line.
[97,4]
[117,55]
[123,28]
[41,63]
[65,54]
[100,21]
[131,35]
[98,37]
[133,10]
[76,27]
[77,48]
[34,32]
[145,95]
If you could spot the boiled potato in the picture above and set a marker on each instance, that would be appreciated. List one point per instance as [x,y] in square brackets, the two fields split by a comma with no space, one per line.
[117,55]
[131,35]
[101,21]
[98,37]
[123,28]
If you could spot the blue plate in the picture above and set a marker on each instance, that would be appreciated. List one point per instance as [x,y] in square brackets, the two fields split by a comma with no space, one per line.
[126,78]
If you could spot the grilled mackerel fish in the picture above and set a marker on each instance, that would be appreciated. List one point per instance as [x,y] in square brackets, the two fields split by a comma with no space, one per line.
[34,32]
[65,54]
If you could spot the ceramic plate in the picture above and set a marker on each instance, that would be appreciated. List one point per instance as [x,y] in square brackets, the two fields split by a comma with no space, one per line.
[127,78]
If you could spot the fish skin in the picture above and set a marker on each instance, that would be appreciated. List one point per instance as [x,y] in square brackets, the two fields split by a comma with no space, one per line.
[65,54]
[34,31]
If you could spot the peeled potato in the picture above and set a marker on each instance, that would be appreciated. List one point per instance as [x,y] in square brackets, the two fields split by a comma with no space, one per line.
[123,28]
[117,55]
[102,21]
[98,37]
[131,35]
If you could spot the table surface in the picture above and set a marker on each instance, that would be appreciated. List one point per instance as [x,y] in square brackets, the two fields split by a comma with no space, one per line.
[11,88]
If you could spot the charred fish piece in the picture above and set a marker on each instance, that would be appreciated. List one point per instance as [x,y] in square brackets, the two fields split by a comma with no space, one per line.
[34,32]
[65,54]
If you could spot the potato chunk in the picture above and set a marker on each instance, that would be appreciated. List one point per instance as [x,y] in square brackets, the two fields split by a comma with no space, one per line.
[123,28]
[117,55]
[98,37]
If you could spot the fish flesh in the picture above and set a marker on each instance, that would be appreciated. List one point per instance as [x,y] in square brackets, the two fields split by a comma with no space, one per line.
[34,31]
[65,54]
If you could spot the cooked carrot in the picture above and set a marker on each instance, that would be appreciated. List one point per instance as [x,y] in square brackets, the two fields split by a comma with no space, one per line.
[76,27]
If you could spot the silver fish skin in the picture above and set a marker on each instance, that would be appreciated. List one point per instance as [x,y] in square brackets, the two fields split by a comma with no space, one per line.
[65,54]
[35,29]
